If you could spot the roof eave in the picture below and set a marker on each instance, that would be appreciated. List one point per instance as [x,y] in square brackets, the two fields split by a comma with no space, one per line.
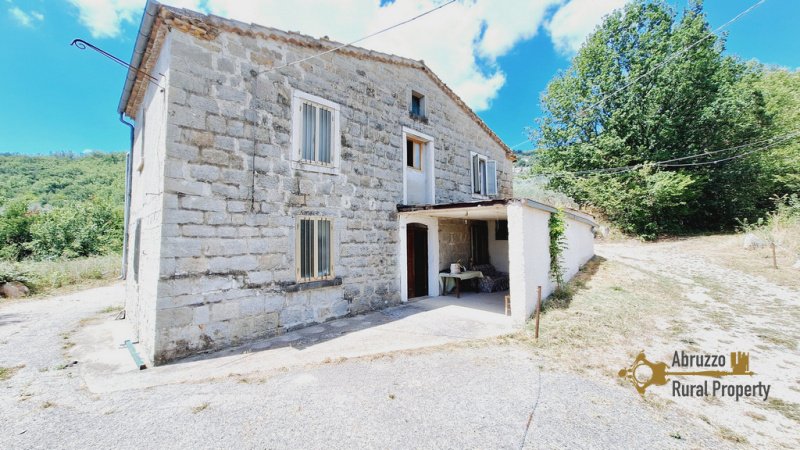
[139,49]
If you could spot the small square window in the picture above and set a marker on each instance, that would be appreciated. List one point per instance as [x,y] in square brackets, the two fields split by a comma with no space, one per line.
[501,230]
[417,104]
[414,150]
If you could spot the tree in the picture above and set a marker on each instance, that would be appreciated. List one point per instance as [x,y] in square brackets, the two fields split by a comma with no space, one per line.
[639,91]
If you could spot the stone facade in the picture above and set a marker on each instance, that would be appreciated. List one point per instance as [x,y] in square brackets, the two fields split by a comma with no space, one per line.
[219,197]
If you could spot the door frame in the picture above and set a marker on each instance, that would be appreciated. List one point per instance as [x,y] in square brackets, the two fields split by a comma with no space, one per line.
[433,254]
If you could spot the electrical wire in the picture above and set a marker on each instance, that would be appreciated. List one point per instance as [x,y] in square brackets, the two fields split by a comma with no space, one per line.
[769,143]
[339,47]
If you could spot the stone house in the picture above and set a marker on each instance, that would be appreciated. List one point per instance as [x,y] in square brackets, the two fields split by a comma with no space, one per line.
[266,197]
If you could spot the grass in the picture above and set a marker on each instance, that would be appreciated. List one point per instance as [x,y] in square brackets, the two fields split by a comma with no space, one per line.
[111,309]
[789,410]
[8,372]
[730,435]
[609,304]
[200,407]
[65,275]
[727,251]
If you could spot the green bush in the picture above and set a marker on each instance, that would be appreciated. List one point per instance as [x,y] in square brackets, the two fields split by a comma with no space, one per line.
[77,229]
[15,224]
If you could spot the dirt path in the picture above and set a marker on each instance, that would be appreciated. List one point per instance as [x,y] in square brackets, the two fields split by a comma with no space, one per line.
[720,310]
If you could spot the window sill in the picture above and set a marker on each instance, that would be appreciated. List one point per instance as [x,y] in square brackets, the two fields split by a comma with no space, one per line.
[418,117]
[481,197]
[308,285]
[311,167]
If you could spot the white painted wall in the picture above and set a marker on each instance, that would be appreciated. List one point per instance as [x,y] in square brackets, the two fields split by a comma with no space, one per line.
[579,248]
[529,255]
[529,258]
[147,204]
[433,254]
[498,250]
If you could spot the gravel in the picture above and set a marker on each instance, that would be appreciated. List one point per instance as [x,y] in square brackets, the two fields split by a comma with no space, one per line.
[447,397]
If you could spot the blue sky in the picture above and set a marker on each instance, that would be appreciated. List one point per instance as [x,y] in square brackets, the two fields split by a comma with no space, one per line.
[57,98]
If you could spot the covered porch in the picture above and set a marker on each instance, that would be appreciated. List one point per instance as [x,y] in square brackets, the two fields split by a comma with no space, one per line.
[507,240]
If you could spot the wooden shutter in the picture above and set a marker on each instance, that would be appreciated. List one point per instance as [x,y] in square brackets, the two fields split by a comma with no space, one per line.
[476,174]
[491,177]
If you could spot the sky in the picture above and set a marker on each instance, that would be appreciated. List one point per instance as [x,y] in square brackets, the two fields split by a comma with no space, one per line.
[497,55]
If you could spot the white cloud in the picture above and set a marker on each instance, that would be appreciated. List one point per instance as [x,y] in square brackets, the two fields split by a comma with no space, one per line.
[574,21]
[460,42]
[26,19]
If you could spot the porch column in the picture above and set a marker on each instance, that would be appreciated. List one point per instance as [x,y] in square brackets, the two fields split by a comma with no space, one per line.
[529,258]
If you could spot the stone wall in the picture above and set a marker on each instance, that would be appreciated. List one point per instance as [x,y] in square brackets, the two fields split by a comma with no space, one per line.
[232,192]
[147,201]
[454,242]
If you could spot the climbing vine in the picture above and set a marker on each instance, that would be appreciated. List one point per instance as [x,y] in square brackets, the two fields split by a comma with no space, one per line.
[557,227]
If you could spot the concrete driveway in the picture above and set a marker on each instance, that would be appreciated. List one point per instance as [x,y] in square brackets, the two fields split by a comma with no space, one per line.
[105,366]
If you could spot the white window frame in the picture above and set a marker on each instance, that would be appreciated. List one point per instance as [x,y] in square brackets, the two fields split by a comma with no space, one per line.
[298,99]
[315,263]
[428,163]
[487,190]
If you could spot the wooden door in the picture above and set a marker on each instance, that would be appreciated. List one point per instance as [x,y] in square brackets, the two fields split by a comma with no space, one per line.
[417,260]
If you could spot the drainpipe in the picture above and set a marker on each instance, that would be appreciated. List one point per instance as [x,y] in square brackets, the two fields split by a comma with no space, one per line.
[128,176]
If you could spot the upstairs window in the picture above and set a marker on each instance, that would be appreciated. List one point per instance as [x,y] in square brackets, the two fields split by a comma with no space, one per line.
[414,149]
[315,130]
[314,249]
[417,104]
[484,176]
[317,133]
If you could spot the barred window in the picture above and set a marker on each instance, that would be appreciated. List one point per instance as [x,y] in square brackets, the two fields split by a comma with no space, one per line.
[314,249]
[317,131]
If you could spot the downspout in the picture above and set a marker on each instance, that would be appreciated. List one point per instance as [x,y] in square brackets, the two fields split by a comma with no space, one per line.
[128,177]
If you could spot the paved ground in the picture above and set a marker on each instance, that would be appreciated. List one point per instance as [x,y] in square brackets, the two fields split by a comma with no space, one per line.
[385,388]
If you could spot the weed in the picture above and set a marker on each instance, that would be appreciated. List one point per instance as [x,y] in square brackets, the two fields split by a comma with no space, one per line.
[756,416]
[111,309]
[789,410]
[8,372]
[730,435]
[200,407]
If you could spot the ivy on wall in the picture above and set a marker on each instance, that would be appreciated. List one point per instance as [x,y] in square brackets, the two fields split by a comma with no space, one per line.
[557,227]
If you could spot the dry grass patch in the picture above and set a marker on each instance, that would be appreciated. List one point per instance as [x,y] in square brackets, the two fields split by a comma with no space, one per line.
[8,372]
[727,251]
[200,407]
[730,435]
[618,304]
[789,410]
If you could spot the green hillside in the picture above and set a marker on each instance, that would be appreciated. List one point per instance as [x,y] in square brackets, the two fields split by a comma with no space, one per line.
[61,206]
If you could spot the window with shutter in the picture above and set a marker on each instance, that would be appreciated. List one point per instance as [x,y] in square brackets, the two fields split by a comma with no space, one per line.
[491,176]
[414,150]
[314,250]
[484,176]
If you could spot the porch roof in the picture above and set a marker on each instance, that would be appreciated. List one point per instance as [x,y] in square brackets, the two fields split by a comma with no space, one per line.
[487,210]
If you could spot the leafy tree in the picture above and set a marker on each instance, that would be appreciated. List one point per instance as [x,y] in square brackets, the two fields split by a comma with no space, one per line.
[15,224]
[61,205]
[640,90]
[781,90]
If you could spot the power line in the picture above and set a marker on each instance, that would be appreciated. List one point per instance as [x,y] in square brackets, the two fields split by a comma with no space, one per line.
[339,47]
[771,142]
